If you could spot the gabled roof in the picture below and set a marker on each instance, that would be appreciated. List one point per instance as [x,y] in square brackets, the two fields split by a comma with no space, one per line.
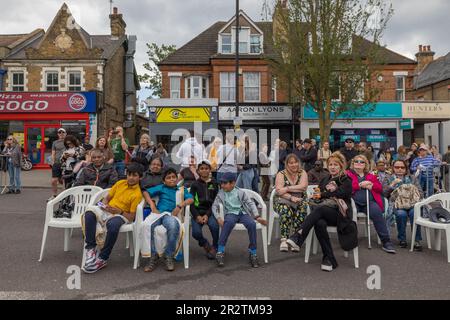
[246,17]
[13,40]
[434,72]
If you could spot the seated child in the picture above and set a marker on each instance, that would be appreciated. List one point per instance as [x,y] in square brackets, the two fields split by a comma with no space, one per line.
[204,190]
[118,208]
[238,208]
[164,213]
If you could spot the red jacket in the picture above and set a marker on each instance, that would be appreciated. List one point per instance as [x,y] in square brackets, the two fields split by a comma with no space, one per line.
[377,189]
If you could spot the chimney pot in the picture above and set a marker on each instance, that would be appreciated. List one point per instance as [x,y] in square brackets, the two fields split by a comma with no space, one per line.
[429,48]
[420,48]
[115,10]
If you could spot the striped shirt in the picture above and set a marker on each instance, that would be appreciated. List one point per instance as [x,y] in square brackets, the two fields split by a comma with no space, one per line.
[426,163]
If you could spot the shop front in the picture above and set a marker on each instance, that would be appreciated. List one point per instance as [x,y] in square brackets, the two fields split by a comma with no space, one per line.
[34,118]
[170,119]
[268,117]
[379,127]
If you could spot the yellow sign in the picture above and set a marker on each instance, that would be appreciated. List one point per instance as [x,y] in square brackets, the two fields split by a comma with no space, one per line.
[20,137]
[182,114]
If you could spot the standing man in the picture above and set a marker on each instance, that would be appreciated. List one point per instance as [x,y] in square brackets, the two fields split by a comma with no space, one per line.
[58,148]
[349,151]
[119,146]
[191,147]
[308,155]
[446,159]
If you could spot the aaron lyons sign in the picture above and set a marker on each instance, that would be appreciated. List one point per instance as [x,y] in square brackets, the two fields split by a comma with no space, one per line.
[260,112]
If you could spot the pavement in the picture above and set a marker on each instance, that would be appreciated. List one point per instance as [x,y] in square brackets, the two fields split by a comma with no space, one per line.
[35,178]
[406,275]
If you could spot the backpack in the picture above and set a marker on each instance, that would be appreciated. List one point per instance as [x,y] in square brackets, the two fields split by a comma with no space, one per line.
[65,208]
[406,196]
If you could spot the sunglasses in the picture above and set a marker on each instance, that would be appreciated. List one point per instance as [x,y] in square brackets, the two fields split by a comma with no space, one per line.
[60,132]
[395,167]
[359,161]
[9,139]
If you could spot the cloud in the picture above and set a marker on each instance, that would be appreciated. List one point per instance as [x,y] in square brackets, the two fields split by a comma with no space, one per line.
[178,21]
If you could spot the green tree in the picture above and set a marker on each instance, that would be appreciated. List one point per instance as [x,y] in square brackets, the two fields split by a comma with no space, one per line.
[327,53]
[153,79]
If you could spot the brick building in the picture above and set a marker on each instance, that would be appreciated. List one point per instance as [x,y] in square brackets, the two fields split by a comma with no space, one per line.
[66,77]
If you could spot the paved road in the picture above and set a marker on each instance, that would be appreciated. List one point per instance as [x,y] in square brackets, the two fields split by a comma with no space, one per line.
[403,276]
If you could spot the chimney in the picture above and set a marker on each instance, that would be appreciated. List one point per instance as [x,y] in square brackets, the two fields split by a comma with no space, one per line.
[117,25]
[424,57]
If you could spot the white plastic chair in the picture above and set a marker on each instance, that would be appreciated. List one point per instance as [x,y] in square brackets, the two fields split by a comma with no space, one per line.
[82,196]
[240,227]
[132,228]
[368,223]
[312,240]
[438,227]
[274,215]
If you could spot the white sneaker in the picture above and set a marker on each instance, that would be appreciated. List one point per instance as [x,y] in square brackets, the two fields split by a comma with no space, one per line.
[284,246]
[295,249]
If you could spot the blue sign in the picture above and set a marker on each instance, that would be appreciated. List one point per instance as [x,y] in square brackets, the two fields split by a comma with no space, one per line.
[355,137]
[380,110]
[330,138]
[407,124]
[376,138]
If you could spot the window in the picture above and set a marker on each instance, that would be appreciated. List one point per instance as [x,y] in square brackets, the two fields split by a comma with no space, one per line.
[227,87]
[52,81]
[175,87]
[400,88]
[255,44]
[243,40]
[273,93]
[197,87]
[18,81]
[74,81]
[226,44]
[251,87]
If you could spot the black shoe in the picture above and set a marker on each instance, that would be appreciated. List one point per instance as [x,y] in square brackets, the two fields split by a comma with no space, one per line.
[417,246]
[220,259]
[170,263]
[403,244]
[254,260]
[326,265]
[295,241]
[151,263]
[9,192]
[389,247]
[17,191]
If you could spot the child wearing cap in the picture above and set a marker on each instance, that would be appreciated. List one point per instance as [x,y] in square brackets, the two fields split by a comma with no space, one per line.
[204,190]
[238,208]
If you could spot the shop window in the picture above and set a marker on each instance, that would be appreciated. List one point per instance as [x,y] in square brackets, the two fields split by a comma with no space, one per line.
[52,81]
[14,128]
[76,128]
[227,87]
[252,87]
[175,87]
[18,81]
[75,81]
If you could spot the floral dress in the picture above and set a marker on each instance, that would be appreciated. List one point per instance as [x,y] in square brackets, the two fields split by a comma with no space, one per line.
[290,217]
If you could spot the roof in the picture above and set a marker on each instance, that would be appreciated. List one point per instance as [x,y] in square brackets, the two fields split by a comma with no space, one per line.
[434,72]
[204,47]
[13,40]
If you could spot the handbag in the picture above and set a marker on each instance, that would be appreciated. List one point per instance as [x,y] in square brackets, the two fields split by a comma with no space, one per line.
[289,202]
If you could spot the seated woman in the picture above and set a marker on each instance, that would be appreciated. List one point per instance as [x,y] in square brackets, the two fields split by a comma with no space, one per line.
[290,204]
[362,181]
[403,191]
[326,212]
[153,176]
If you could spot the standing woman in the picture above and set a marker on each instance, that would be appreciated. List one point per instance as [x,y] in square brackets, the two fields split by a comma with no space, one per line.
[213,156]
[13,150]
[324,153]
[290,203]
[337,186]
[144,152]
[103,144]
[264,165]
[248,160]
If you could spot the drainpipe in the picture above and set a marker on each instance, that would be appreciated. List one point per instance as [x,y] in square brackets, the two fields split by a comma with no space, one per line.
[2,73]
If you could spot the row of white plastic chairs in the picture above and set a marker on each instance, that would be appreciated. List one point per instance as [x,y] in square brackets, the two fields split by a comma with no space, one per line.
[85,196]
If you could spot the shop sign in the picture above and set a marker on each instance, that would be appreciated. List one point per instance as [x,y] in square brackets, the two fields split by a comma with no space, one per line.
[423,110]
[407,124]
[355,137]
[167,114]
[330,139]
[47,102]
[376,138]
[261,112]
[381,110]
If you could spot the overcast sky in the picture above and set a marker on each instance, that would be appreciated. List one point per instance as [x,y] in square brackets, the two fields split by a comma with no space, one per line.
[178,21]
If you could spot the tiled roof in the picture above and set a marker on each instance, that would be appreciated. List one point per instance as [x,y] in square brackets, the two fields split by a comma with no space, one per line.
[434,72]
[8,39]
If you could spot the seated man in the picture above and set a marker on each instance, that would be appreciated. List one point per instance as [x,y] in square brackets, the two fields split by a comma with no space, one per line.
[164,213]
[119,207]
[98,172]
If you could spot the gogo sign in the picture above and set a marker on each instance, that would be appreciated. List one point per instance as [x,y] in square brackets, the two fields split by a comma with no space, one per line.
[47,102]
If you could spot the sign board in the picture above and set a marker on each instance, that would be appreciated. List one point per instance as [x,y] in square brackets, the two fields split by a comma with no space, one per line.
[376,138]
[424,110]
[381,110]
[48,102]
[407,124]
[355,137]
[261,112]
[330,139]
[168,114]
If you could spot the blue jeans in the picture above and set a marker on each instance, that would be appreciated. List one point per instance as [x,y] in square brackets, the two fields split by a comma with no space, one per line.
[230,221]
[197,233]
[376,215]
[245,179]
[14,177]
[112,226]
[255,182]
[424,184]
[173,230]
[401,216]
[120,167]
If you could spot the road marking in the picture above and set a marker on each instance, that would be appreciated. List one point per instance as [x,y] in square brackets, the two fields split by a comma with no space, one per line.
[24,295]
[230,298]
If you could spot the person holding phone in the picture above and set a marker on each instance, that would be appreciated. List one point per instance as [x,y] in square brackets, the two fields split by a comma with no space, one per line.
[119,146]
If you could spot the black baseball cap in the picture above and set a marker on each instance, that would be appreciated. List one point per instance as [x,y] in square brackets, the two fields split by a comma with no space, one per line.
[349,140]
